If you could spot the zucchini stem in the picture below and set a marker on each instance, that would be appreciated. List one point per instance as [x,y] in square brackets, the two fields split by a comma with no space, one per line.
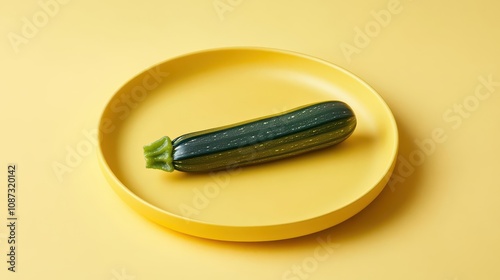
[158,154]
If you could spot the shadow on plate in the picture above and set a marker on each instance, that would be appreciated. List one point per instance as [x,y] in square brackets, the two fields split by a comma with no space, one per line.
[387,208]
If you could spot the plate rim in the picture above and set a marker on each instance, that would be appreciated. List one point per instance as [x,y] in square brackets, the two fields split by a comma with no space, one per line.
[254,233]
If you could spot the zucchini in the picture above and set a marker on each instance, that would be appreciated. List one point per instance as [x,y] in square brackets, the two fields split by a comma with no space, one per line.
[286,134]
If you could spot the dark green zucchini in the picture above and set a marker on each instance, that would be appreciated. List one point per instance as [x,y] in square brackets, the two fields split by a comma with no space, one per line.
[294,132]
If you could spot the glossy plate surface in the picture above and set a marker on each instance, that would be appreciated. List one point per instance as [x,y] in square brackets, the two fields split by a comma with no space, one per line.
[279,200]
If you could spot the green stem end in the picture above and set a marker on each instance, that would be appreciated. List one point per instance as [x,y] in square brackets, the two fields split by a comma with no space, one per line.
[159,154]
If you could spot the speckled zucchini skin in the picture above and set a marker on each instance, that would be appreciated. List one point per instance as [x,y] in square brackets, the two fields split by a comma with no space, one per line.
[290,133]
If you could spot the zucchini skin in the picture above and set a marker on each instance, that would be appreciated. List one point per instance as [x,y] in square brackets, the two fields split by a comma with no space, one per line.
[270,138]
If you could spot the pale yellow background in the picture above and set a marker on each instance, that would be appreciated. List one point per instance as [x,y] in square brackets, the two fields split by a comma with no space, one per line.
[439,219]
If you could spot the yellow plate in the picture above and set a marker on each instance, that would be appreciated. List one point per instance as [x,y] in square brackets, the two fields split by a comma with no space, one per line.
[279,200]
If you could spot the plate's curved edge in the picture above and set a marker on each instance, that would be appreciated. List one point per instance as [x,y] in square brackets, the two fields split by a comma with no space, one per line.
[249,233]
[240,234]
[394,126]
